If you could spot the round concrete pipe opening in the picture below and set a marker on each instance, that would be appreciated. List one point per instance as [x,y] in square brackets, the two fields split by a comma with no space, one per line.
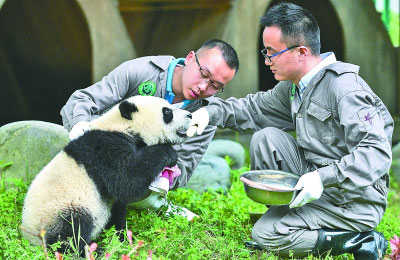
[45,54]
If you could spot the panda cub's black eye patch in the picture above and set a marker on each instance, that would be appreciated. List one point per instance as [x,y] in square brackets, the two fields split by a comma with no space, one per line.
[168,115]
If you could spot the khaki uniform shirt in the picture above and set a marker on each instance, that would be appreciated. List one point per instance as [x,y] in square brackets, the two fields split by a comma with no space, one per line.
[342,126]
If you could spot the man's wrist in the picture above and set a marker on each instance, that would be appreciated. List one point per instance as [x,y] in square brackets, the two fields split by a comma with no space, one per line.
[328,175]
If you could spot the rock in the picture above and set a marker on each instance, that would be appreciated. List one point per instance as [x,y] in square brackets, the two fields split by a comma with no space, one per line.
[212,173]
[29,145]
[234,150]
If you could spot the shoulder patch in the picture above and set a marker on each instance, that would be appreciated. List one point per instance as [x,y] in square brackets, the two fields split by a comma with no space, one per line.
[147,88]
[368,116]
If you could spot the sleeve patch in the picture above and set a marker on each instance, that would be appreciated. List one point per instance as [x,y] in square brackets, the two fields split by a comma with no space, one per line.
[369,117]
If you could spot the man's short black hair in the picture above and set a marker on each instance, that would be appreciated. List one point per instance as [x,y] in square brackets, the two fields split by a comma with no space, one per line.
[228,52]
[298,26]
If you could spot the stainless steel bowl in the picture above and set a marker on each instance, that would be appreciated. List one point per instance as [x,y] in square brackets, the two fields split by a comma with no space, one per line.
[270,187]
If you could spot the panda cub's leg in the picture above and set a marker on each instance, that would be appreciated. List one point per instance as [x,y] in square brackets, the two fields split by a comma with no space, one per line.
[118,213]
[75,223]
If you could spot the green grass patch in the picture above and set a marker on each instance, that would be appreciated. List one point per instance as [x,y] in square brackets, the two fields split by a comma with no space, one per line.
[218,234]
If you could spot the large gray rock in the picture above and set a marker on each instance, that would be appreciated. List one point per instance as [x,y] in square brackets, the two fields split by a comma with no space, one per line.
[396,163]
[234,150]
[29,145]
[212,173]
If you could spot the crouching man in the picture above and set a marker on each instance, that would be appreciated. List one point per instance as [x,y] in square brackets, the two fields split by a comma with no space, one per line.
[342,150]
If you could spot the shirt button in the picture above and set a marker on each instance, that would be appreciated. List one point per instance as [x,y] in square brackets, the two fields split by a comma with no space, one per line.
[299,115]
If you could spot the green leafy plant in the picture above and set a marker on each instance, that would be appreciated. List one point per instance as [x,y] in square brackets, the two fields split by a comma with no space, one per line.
[218,234]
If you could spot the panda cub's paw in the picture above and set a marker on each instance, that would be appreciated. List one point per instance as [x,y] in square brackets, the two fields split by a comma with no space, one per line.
[169,155]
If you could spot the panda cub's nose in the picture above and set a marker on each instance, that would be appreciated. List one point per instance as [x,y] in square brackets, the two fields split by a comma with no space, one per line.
[190,116]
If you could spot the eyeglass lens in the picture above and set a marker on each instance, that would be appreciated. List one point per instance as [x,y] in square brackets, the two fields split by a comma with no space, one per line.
[211,85]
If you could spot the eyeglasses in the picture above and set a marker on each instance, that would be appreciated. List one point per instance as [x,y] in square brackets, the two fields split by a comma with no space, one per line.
[211,88]
[269,58]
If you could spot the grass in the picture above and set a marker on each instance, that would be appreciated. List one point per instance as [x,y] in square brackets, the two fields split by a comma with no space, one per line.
[218,234]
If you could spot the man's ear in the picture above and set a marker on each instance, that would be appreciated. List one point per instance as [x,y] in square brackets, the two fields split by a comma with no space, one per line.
[190,57]
[304,51]
[126,109]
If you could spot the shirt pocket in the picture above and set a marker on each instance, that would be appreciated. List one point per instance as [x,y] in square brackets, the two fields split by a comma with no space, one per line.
[320,123]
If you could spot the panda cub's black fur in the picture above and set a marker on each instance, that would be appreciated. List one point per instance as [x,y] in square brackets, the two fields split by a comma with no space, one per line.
[121,166]
[88,185]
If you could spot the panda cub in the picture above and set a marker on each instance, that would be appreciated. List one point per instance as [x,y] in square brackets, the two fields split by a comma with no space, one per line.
[88,185]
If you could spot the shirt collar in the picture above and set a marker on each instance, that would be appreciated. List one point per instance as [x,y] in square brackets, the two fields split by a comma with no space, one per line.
[161,61]
[328,58]
[171,68]
[169,95]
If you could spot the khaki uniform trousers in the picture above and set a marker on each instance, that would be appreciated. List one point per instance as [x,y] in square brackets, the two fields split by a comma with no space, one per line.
[282,229]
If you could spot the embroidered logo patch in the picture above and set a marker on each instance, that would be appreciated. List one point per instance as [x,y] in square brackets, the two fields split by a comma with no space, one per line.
[147,88]
[368,118]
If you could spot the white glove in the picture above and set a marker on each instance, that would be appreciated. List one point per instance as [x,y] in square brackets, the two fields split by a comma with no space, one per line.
[312,189]
[200,119]
[160,185]
[79,129]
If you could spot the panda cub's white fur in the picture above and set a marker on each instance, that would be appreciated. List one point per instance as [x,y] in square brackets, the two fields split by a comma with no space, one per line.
[52,192]
[91,181]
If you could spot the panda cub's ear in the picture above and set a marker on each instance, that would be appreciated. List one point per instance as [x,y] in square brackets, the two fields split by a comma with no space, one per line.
[126,109]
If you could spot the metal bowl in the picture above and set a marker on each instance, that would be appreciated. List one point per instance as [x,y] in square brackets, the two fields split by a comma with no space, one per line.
[270,187]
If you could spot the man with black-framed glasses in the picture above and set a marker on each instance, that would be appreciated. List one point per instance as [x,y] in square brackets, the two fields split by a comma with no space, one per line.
[188,83]
[341,152]
[213,88]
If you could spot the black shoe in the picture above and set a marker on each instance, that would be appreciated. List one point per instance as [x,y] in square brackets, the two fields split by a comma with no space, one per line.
[370,245]
[250,244]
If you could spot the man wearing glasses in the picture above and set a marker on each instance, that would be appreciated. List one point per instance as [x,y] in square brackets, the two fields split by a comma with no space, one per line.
[188,83]
[341,152]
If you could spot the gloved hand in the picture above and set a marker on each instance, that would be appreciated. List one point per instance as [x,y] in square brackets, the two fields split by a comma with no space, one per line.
[160,185]
[79,129]
[170,173]
[163,182]
[312,189]
[200,119]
